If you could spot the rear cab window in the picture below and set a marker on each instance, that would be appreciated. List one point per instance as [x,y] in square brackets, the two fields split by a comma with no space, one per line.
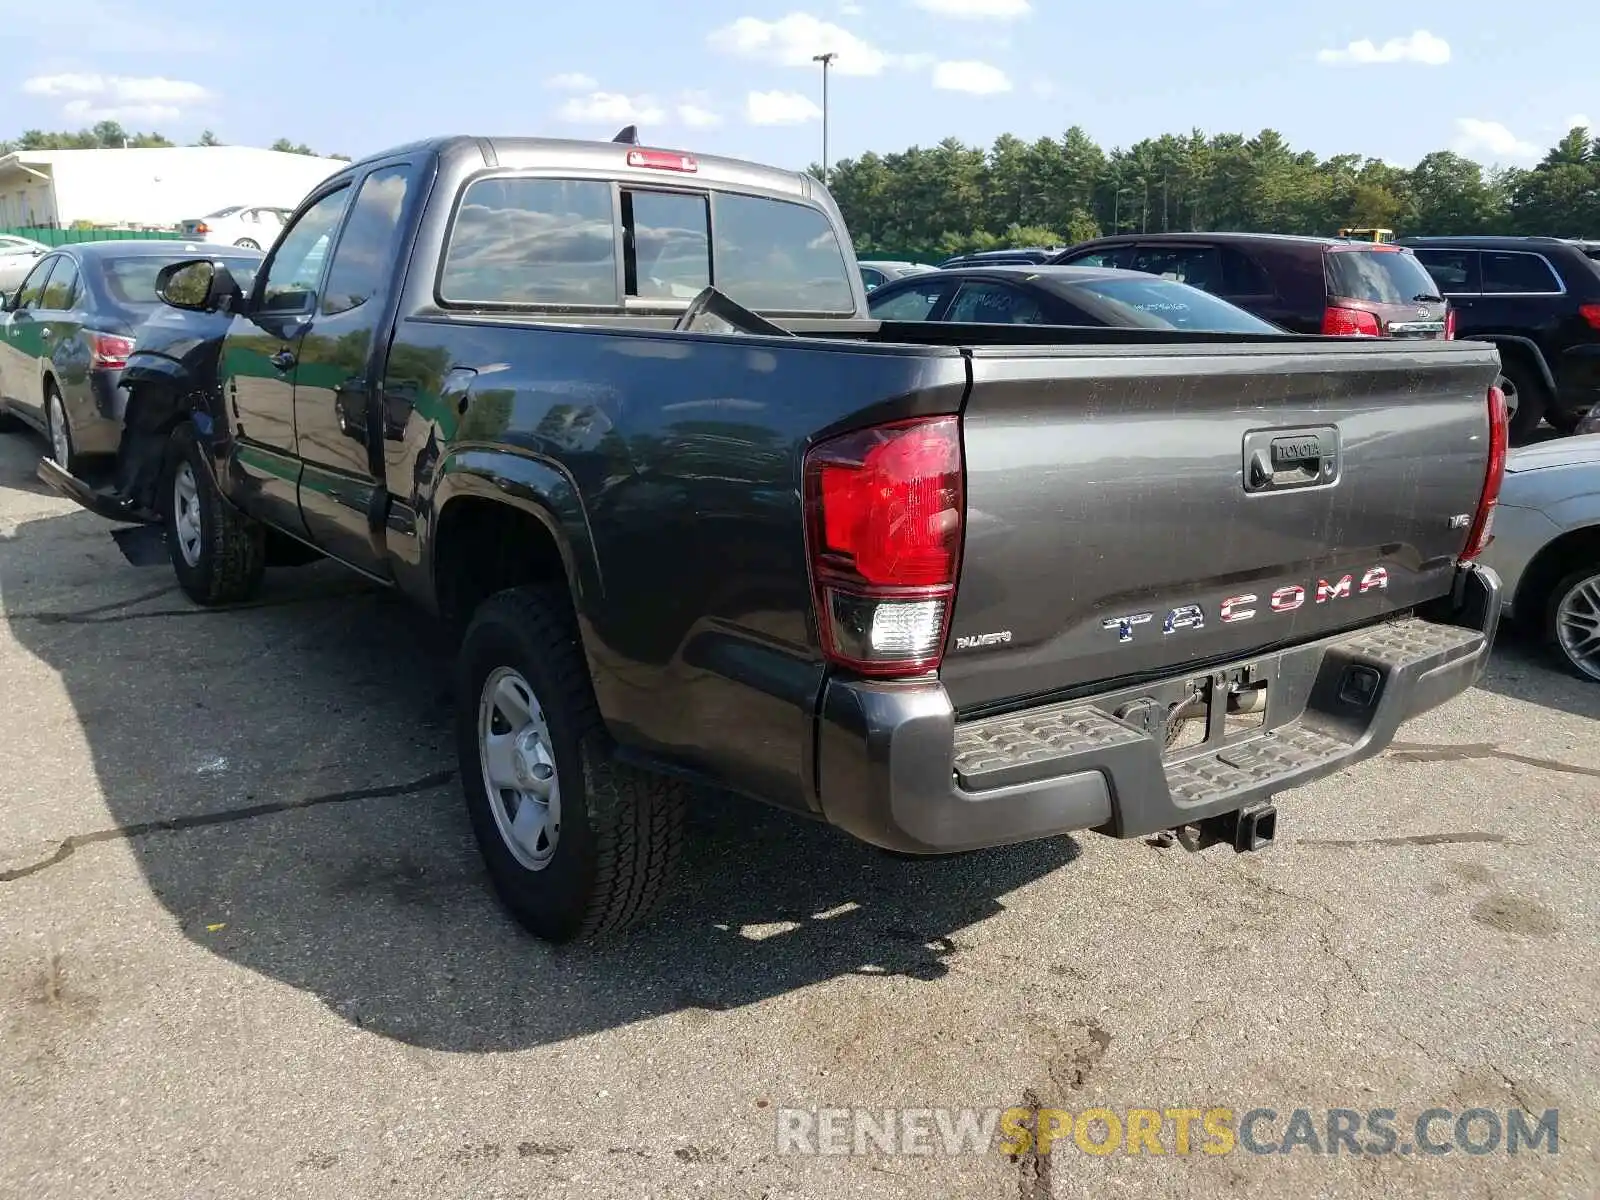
[1378,276]
[602,245]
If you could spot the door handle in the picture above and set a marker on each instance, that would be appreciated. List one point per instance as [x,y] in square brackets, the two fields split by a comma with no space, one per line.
[284,360]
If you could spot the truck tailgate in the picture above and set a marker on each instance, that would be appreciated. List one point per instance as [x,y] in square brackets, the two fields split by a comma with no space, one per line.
[1131,513]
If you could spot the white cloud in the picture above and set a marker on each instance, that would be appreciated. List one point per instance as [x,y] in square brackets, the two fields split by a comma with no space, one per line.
[975,78]
[612,108]
[695,111]
[572,81]
[92,97]
[1578,121]
[780,108]
[793,40]
[1475,137]
[1419,47]
[977,10]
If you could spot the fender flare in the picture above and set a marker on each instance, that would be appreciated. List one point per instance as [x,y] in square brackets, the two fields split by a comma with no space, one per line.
[532,485]
[1527,344]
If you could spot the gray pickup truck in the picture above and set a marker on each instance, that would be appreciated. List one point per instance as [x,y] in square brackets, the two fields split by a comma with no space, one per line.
[617,415]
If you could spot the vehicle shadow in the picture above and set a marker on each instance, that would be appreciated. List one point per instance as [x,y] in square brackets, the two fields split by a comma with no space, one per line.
[1523,668]
[283,776]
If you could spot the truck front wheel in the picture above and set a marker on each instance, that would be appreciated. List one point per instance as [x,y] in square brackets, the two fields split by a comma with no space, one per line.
[218,554]
[577,844]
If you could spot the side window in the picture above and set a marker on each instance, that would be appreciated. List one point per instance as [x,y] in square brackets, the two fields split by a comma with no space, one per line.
[32,291]
[1119,257]
[365,254]
[1514,272]
[995,304]
[871,279]
[1198,266]
[1455,271]
[62,289]
[1243,276]
[532,241]
[915,303]
[668,253]
[290,280]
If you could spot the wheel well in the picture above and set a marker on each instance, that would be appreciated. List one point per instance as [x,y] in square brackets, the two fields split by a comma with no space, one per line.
[1519,353]
[484,546]
[1550,566]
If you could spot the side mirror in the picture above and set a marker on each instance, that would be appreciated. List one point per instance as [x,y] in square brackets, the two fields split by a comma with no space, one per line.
[5,301]
[198,285]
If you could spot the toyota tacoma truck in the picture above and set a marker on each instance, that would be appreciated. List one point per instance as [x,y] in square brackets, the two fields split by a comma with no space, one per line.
[618,416]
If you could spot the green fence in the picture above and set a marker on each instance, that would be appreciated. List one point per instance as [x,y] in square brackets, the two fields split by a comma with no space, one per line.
[71,237]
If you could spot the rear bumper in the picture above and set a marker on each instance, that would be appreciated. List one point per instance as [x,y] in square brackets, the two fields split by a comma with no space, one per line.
[897,769]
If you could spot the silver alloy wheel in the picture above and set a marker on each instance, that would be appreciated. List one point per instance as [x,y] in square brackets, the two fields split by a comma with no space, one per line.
[1578,625]
[1508,389]
[519,768]
[60,439]
[186,514]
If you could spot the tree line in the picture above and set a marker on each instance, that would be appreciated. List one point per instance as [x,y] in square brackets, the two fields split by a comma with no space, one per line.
[110,135]
[931,202]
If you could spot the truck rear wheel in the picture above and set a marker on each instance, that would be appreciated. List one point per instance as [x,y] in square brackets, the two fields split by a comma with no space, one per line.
[218,553]
[577,844]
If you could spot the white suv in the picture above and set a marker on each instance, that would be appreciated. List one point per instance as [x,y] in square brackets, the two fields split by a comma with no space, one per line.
[252,228]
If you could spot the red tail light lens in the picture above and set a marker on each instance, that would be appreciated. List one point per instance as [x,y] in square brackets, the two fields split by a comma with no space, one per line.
[662,160]
[108,351]
[1449,324]
[202,229]
[1499,440]
[1349,322]
[884,521]
[1591,314]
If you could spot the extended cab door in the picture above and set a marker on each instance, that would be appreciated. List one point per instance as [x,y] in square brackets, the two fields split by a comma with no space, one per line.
[337,425]
[259,358]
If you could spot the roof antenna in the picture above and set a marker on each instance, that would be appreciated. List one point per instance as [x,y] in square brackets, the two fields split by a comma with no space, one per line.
[629,135]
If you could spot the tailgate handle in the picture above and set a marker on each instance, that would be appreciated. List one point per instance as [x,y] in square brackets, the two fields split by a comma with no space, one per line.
[1277,460]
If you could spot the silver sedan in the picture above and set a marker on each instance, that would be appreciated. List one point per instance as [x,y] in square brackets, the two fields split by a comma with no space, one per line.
[17,256]
[1546,546]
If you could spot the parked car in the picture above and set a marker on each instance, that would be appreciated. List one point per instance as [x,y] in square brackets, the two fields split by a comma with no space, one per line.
[1302,284]
[1059,296]
[943,587]
[875,272]
[17,256]
[1019,256]
[1538,299]
[249,228]
[67,332]
[1546,546]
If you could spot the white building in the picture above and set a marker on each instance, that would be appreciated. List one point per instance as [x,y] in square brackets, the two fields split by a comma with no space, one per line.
[153,188]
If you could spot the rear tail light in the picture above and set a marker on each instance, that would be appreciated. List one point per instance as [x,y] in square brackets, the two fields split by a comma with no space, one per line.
[1591,314]
[1499,439]
[108,351]
[1349,322]
[884,513]
[1449,324]
[201,229]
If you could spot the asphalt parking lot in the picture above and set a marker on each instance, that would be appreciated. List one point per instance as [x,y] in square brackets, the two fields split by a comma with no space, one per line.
[246,947]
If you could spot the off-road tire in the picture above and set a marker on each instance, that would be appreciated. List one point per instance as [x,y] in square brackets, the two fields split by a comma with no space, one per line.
[621,828]
[1533,398]
[233,554]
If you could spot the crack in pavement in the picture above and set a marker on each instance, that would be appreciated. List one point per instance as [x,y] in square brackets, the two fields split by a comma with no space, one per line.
[1416,752]
[198,820]
[1413,839]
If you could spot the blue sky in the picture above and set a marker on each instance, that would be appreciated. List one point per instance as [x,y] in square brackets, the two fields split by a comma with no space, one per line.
[1497,81]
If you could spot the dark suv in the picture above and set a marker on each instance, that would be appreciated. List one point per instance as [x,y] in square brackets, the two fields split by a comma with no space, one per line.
[1538,299]
[1302,284]
[1020,256]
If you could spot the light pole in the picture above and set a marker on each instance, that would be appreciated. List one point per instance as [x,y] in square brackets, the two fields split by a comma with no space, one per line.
[826,60]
